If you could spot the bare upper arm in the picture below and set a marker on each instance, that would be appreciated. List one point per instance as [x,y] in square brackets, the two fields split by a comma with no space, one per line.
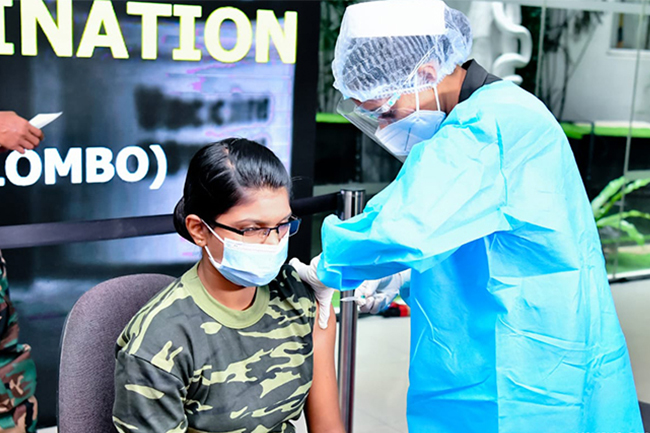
[322,409]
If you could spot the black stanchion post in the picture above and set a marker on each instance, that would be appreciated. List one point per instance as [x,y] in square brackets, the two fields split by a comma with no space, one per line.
[351,204]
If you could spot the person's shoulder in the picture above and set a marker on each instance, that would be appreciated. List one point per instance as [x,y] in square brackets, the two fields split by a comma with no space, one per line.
[505,99]
[162,302]
[160,320]
[500,111]
[289,293]
[160,332]
[289,282]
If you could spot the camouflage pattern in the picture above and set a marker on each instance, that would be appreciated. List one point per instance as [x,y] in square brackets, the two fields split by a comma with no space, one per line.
[18,407]
[187,363]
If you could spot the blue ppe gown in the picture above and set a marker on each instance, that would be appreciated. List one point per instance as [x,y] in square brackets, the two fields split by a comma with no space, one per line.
[513,326]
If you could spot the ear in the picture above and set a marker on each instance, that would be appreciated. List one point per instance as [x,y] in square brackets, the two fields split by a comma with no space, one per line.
[428,73]
[197,230]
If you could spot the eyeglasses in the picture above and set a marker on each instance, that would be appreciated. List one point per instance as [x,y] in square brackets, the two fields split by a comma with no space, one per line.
[381,111]
[259,235]
[369,120]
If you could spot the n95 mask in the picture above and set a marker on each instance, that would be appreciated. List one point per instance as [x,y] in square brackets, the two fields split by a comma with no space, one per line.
[400,137]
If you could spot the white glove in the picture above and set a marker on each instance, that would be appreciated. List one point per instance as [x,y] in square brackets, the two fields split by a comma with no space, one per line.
[374,296]
[323,293]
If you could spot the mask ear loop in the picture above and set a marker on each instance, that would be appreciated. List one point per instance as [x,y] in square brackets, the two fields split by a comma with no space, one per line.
[416,80]
[213,232]
[435,90]
[207,250]
[417,95]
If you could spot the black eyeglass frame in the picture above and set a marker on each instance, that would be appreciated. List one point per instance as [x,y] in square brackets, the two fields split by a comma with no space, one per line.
[294,221]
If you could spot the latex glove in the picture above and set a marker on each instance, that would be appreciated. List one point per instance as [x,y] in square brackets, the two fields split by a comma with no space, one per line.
[374,296]
[17,134]
[323,293]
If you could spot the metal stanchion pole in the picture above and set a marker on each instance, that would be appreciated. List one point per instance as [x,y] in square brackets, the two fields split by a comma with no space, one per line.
[352,202]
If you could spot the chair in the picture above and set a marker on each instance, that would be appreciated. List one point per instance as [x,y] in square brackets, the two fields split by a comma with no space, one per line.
[86,387]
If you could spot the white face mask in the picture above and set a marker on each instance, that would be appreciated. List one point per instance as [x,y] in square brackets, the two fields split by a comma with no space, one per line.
[249,265]
[400,137]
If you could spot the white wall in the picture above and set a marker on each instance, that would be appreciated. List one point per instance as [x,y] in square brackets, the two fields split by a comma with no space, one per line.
[601,87]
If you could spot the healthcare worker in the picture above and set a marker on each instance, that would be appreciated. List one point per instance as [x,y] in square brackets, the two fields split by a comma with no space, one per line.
[513,326]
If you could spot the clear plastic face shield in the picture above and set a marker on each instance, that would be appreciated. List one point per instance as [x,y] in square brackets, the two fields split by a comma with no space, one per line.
[395,129]
[418,43]
[370,121]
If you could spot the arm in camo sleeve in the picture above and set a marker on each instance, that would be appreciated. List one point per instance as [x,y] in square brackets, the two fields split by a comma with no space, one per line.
[147,399]
[18,408]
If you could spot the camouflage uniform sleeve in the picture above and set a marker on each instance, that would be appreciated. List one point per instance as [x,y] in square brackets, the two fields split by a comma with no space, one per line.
[18,408]
[147,398]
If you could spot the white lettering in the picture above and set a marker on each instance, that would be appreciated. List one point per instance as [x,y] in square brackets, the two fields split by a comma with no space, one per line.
[286,41]
[35,168]
[150,13]
[121,164]
[6,48]
[99,167]
[72,165]
[161,159]
[34,13]
[212,35]
[103,15]
[187,50]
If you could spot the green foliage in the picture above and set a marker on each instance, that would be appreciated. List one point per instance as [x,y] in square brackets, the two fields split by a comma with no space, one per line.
[608,197]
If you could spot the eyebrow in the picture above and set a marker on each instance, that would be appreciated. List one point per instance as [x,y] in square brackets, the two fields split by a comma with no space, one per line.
[372,106]
[258,222]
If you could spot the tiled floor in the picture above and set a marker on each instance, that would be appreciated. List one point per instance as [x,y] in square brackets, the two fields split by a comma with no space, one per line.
[382,361]
[633,308]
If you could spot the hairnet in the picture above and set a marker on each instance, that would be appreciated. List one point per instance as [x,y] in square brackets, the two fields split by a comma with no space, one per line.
[383,43]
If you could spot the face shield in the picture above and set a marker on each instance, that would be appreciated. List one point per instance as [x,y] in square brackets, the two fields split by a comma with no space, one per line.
[369,121]
[378,55]
[397,130]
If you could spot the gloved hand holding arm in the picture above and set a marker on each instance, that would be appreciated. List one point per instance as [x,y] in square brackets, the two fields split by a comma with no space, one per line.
[307,274]
[372,296]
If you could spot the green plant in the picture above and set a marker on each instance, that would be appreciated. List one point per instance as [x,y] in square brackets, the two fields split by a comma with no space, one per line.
[603,204]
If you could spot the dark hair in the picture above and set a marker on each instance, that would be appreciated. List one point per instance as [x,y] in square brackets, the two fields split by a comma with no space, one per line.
[220,173]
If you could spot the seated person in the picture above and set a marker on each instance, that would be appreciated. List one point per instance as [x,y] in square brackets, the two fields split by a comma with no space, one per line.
[18,406]
[232,345]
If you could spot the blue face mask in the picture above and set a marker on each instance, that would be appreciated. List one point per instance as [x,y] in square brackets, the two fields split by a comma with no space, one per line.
[400,137]
[249,265]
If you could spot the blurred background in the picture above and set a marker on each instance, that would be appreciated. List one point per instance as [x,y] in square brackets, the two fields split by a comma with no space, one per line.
[587,60]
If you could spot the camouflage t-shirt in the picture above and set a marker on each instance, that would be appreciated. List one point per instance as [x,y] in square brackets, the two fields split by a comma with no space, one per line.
[18,406]
[187,363]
